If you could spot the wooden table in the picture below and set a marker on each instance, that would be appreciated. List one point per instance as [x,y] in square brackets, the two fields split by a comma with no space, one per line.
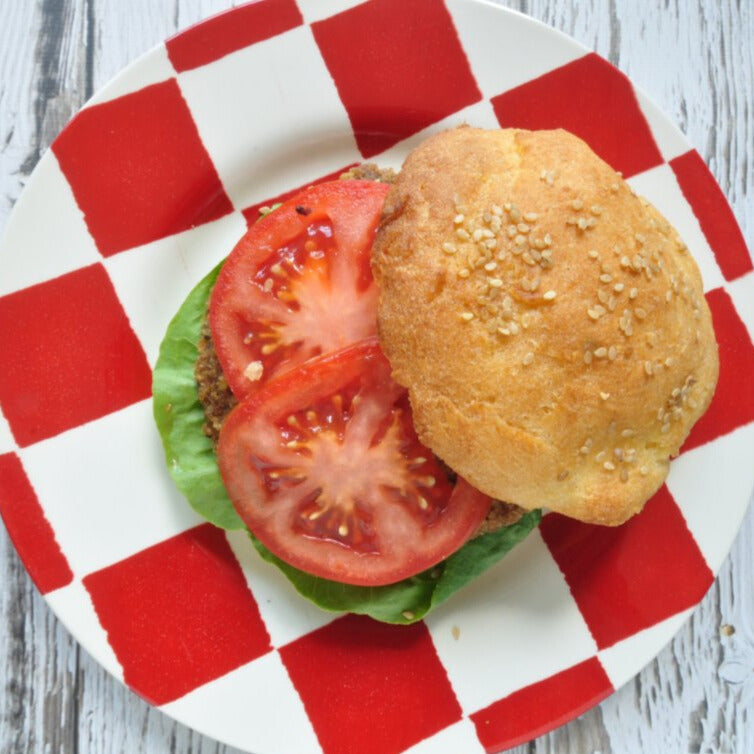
[696,60]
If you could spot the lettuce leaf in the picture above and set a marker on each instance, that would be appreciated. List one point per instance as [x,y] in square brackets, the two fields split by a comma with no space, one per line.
[180,417]
[191,462]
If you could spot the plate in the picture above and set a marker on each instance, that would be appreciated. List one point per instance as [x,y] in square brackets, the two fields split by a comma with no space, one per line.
[143,193]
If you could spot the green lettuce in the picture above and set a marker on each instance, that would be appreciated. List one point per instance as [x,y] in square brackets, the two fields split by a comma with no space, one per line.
[191,461]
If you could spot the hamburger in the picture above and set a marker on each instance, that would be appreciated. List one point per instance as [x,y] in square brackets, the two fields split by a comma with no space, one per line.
[386,437]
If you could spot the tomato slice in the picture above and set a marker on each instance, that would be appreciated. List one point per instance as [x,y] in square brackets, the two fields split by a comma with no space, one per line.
[324,466]
[298,284]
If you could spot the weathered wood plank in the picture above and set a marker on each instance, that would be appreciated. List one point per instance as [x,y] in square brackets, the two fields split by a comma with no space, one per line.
[39,52]
[696,62]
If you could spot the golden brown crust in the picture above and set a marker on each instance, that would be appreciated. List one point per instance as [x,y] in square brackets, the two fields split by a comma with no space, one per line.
[549,324]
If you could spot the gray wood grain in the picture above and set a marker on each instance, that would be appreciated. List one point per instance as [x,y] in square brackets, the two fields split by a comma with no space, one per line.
[695,59]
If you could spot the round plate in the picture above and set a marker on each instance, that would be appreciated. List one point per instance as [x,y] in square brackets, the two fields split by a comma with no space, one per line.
[143,193]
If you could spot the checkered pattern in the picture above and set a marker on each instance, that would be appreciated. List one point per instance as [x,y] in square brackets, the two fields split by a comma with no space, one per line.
[142,193]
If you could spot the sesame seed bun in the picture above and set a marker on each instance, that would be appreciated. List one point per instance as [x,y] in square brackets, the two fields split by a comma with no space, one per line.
[549,324]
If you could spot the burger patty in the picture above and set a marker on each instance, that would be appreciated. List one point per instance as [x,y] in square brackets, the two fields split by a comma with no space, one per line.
[218,400]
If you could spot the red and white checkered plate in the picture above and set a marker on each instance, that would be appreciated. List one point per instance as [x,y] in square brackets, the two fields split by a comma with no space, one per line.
[147,189]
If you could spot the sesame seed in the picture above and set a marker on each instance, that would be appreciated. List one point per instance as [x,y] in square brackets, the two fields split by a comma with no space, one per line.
[648,368]
[596,210]
[593,253]
[627,433]
[496,210]
[608,466]
[491,243]
[477,235]
[490,266]
[612,353]
[528,359]
[583,450]
[640,238]
[668,296]
[514,329]
[614,187]
[669,362]
[644,471]
[268,284]
[467,316]
[531,217]
[640,313]
[600,456]
[549,295]
[603,295]
[604,396]
[600,352]
[665,428]
[577,204]
[582,224]
[463,234]
[523,228]
[618,287]
[588,357]
[458,219]
[633,293]
[408,615]
[496,282]
[519,240]
[463,273]
[515,215]
[592,314]
[449,248]
[606,277]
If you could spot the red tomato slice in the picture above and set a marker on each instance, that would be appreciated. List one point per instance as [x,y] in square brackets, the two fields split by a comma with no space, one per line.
[298,284]
[325,468]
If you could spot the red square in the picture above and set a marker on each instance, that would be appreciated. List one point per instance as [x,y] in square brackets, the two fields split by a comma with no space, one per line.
[713,213]
[252,213]
[591,99]
[627,578]
[230,31]
[398,66]
[733,403]
[178,614]
[139,170]
[69,355]
[28,528]
[369,687]
[536,709]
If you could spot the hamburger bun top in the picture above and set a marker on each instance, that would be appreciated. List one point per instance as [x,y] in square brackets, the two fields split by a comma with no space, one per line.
[549,324]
